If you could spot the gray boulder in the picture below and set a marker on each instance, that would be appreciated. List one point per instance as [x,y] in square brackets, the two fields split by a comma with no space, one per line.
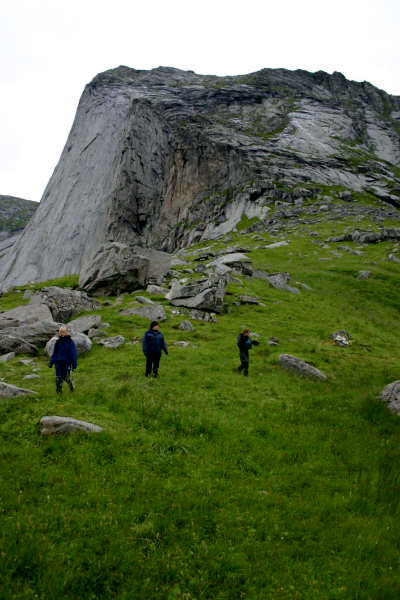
[84,324]
[36,333]
[54,424]
[341,338]
[186,326]
[234,261]
[64,303]
[156,290]
[152,312]
[112,342]
[118,268]
[6,357]
[206,294]
[83,343]
[17,345]
[364,274]
[390,395]
[300,367]
[8,391]
[276,280]
[24,315]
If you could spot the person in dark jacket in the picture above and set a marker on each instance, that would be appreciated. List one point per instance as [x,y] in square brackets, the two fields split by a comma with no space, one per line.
[64,357]
[244,344]
[153,343]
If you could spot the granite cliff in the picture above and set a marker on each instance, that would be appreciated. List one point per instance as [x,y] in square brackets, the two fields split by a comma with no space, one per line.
[164,158]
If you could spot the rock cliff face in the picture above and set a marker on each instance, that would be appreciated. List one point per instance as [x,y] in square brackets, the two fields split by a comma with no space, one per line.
[164,158]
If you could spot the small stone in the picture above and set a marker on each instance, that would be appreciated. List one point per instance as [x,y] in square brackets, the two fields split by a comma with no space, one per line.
[112,342]
[186,326]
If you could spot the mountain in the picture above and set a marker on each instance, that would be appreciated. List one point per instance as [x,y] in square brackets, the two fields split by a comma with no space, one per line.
[165,158]
[15,213]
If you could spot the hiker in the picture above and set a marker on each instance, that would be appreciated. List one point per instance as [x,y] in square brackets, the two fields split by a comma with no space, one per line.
[244,344]
[64,357]
[153,343]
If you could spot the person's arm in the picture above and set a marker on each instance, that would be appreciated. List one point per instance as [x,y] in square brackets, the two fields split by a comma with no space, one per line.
[144,343]
[54,354]
[74,355]
[164,346]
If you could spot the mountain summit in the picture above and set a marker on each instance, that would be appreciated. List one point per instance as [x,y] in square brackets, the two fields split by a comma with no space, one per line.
[165,158]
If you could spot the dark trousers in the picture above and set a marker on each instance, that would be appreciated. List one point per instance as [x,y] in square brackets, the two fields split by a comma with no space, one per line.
[244,361]
[63,373]
[152,363]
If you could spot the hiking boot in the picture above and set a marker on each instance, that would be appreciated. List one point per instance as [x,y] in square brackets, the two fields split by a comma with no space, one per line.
[59,385]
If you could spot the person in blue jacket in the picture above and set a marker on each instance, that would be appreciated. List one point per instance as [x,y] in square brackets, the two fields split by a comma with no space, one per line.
[64,357]
[244,344]
[153,343]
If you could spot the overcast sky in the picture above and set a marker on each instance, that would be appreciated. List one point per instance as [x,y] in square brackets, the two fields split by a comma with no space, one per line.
[50,49]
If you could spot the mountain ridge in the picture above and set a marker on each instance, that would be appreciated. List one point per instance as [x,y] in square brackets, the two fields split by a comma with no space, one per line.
[164,158]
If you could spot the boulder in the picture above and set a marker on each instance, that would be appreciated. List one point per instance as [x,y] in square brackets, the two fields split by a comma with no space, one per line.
[156,290]
[112,342]
[300,367]
[25,315]
[118,268]
[390,395]
[152,312]
[364,274]
[83,343]
[8,391]
[281,282]
[276,280]
[64,303]
[17,345]
[206,294]
[83,324]
[341,338]
[236,261]
[36,333]
[186,326]
[6,357]
[55,424]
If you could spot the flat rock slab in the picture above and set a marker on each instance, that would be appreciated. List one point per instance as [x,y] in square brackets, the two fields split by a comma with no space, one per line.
[55,424]
[8,391]
[300,367]
[83,324]
[25,315]
[390,395]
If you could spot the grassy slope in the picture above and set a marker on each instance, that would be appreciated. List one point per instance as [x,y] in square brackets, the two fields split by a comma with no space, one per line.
[207,484]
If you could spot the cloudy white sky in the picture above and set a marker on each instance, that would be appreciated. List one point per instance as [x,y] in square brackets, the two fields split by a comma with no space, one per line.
[50,49]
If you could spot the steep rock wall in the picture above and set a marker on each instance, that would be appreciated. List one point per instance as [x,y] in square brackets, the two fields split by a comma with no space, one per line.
[165,157]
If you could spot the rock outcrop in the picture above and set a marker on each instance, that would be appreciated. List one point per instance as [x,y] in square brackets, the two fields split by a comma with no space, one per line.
[164,158]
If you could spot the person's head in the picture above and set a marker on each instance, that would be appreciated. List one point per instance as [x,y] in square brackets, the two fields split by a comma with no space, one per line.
[246,332]
[154,325]
[63,331]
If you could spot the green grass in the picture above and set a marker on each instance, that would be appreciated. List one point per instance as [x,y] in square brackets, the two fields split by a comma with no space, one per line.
[206,484]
